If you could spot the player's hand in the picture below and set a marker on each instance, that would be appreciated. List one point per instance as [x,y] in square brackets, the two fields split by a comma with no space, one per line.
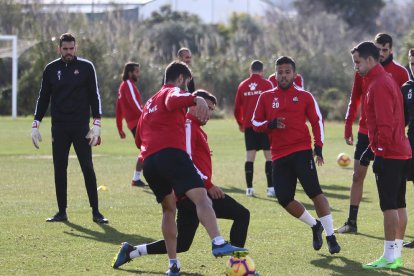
[276,123]
[94,134]
[215,192]
[378,164]
[241,128]
[121,133]
[366,157]
[349,137]
[202,110]
[36,137]
[317,151]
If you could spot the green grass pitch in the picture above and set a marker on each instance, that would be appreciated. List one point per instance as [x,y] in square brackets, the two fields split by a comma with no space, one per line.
[279,244]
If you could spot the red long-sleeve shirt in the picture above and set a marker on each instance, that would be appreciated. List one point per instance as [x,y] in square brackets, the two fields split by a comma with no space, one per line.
[358,93]
[162,122]
[128,104]
[298,81]
[248,92]
[296,106]
[385,116]
[198,149]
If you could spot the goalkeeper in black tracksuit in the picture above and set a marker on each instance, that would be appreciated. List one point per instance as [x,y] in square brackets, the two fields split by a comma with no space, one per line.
[70,84]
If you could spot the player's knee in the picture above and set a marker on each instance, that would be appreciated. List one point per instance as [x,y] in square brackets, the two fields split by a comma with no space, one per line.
[183,247]
[284,201]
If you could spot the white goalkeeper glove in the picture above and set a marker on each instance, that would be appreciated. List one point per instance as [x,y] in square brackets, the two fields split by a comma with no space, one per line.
[36,137]
[94,134]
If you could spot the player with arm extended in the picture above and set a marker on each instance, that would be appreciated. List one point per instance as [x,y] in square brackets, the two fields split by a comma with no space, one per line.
[358,94]
[71,85]
[282,113]
[168,168]
[248,92]
[129,107]
[224,206]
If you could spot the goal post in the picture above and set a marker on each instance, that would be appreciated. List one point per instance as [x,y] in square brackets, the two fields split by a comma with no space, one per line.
[13,39]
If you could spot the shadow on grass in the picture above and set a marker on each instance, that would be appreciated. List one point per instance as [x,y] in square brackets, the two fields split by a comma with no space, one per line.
[141,272]
[351,267]
[110,235]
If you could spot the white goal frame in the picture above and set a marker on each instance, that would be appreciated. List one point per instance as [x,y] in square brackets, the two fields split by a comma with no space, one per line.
[13,38]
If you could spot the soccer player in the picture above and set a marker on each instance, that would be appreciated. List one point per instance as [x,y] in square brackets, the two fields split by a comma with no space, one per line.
[408,90]
[385,123]
[70,84]
[358,94]
[299,82]
[282,113]
[224,206]
[248,92]
[167,166]
[129,107]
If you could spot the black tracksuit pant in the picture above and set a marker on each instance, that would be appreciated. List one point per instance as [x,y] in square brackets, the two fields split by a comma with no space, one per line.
[63,136]
[187,224]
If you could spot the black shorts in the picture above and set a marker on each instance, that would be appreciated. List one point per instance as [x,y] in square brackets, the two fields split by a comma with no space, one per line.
[256,140]
[361,145]
[391,184]
[171,169]
[410,170]
[287,170]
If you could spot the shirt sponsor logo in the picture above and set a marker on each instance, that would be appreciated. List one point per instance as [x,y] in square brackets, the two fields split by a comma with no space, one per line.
[76,72]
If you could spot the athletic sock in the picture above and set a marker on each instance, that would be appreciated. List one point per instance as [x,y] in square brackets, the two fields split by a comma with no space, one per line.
[307,218]
[398,248]
[327,223]
[218,240]
[389,247]
[248,169]
[140,250]
[268,171]
[174,261]
[137,176]
[353,214]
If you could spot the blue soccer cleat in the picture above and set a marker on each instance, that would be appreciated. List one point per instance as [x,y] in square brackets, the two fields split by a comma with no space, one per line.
[123,255]
[226,249]
[174,270]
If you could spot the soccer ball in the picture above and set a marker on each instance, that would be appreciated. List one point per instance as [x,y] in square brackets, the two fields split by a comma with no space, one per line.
[343,160]
[240,267]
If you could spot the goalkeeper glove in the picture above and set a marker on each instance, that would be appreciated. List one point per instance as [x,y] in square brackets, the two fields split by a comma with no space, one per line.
[318,151]
[94,134]
[366,157]
[36,137]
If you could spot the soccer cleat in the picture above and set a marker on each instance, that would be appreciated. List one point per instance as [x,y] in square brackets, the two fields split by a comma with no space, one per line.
[58,217]
[380,263]
[398,263]
[174,270]
[333,244]
[226,249]
[347,228]
[138,183]
[317,230]
[249,192]
[271,192]
[123,255]
[409,244]
[99,218]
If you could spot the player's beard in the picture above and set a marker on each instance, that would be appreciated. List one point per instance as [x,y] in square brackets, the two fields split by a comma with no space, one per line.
[67,58]
[284,84]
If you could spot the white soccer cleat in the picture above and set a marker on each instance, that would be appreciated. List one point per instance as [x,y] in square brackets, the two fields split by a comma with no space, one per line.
[249,192]
[271,192]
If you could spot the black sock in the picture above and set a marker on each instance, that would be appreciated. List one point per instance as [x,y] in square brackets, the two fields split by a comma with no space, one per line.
[248,169]
[353,214]
[268,171]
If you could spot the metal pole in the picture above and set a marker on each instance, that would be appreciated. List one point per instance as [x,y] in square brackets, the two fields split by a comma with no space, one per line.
[14,78]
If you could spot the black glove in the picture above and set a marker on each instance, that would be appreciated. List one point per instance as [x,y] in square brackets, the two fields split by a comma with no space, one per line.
[318,151]
[378,164]
[272,124]
[366,157]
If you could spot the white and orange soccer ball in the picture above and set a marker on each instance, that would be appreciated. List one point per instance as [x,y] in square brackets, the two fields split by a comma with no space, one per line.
[240,267]
[343,159]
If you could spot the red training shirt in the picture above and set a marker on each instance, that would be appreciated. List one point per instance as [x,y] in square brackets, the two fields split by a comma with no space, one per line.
[128,104]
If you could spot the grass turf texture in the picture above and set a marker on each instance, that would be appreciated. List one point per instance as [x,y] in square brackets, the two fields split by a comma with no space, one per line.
[279,244]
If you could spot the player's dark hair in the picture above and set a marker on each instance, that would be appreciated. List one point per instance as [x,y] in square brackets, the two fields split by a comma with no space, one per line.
[129,67]
[175,69]
[286,60]
[367,49]
[256,66]
[182,50]
[411,52]
[205,95]
[383,39]
[68,37]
